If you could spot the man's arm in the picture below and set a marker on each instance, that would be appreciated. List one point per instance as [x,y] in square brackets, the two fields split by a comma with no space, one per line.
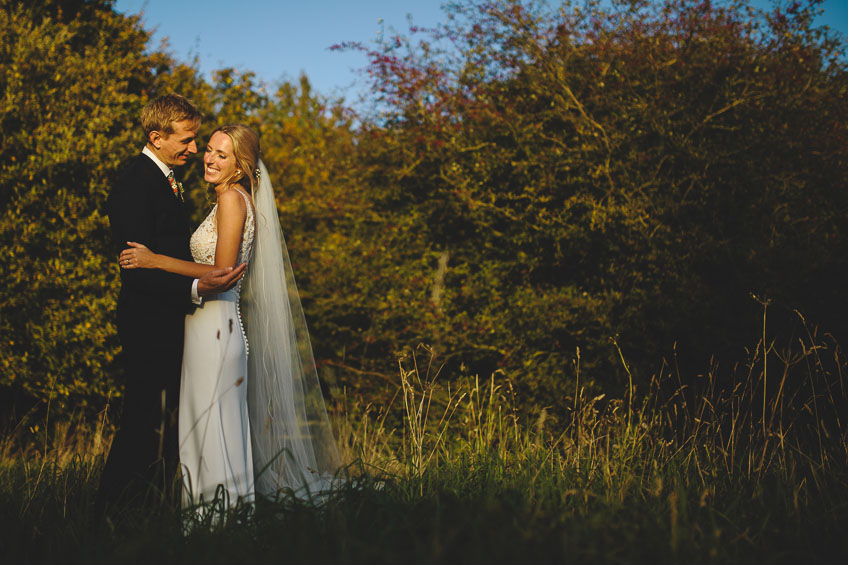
[220,280]
[132,219]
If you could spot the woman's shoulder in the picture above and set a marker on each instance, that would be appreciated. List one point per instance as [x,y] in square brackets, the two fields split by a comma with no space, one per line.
[232,198]
[232,204]
[240,196]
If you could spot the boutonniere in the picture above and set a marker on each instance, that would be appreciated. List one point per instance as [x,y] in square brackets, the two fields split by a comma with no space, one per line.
[177,187]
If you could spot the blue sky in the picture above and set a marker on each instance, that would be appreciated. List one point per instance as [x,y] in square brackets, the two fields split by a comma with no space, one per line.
[279,39]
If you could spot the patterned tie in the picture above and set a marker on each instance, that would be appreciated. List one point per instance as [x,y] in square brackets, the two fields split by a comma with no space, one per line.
[175,186]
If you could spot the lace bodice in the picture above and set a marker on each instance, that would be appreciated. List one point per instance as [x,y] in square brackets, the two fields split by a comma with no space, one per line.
[205,237]
[203,243]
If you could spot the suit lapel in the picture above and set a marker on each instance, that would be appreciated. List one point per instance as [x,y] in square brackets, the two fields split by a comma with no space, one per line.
[158,182]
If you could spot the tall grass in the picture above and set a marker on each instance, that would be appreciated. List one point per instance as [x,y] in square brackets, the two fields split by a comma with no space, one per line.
[746,465]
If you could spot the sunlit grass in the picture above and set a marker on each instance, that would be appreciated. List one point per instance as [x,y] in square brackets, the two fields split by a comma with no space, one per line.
[745,467]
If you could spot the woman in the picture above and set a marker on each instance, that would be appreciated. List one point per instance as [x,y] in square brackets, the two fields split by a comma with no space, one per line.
[257,422]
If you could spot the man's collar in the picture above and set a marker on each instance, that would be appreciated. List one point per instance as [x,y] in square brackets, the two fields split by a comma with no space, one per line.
[166,170]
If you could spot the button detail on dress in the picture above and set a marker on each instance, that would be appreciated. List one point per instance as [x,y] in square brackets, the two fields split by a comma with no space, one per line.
[204,241]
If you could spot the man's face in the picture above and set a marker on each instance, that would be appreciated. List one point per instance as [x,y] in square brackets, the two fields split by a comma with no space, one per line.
[174,149]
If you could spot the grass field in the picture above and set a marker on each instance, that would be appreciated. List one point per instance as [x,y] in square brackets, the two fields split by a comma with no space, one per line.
[754,471]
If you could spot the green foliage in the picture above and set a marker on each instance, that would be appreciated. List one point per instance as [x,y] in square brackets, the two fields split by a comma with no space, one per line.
[74,78]
[588,173]
[528,181]
[71,82]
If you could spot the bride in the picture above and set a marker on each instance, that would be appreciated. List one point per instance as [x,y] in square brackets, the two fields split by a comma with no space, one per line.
[252,418]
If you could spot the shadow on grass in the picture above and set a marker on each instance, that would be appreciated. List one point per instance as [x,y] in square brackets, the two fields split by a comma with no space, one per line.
[472,511]
[755,471]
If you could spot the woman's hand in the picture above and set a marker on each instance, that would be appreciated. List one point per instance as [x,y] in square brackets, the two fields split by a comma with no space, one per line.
[137,256]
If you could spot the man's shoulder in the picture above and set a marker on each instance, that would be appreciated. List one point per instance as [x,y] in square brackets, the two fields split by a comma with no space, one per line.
[138,166]
[132,176]
[137,172]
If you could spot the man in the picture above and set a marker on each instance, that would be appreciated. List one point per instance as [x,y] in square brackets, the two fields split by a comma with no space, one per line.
[146,206]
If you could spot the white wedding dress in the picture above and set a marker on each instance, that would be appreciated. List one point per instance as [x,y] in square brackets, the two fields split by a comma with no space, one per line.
[214,423]
[253,425]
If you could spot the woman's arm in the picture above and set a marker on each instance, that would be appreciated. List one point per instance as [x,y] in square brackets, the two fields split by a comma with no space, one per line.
[138,256]
[230,217]
[232,211]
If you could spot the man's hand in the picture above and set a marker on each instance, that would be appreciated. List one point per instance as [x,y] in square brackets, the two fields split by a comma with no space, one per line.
[215,282]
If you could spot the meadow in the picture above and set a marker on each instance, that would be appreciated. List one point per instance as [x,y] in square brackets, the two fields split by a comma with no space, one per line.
[750,470]
[573,203]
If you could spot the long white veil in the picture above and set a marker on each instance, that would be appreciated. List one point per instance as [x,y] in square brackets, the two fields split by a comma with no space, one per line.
[293,445]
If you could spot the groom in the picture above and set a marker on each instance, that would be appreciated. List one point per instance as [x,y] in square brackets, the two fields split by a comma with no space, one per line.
[146,206]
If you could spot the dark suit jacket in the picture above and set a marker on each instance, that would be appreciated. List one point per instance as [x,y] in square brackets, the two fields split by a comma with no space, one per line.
[143,208]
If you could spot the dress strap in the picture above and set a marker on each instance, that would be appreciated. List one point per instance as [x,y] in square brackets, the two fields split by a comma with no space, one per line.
[246,201]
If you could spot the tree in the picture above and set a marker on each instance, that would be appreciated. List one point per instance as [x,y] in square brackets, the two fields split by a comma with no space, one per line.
[589,174]
[74,76]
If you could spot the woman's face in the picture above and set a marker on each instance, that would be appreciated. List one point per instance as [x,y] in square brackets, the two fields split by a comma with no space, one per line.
[219,160]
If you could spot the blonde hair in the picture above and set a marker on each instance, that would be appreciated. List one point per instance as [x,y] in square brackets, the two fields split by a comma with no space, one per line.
[161,113]
[246,152]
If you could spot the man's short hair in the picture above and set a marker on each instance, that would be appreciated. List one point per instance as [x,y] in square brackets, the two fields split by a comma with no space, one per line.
[160,114]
